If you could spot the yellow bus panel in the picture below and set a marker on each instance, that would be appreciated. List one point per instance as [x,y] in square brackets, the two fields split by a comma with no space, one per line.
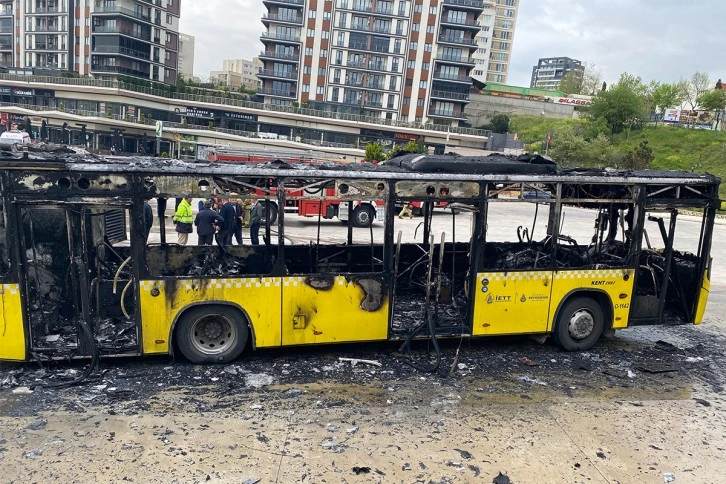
[616,283]
[512,302]
[335,311]
[702,299]
[162,302]
[12,333]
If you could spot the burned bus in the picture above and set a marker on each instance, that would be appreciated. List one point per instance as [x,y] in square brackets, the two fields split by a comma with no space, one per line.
[524,248]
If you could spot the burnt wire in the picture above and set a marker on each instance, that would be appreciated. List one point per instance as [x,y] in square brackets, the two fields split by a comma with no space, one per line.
[86,331]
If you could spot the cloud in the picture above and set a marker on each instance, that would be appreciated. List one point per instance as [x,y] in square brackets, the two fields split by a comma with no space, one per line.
[657,40]
[664,40]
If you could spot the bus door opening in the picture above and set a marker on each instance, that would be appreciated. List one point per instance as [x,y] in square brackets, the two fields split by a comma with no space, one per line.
[432,256]
[77,279]
[669,270]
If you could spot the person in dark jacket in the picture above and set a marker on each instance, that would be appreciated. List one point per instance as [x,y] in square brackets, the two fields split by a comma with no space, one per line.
[256,215]
[229,214]
[207,222]
[239,221]
[148,220]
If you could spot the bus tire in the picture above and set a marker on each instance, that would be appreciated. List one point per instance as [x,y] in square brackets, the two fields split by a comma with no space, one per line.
[212,334]
[363,216]
[580,322]
[271,209]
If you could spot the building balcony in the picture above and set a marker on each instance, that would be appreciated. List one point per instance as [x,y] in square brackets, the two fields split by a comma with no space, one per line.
[442,76]
[356,65]
[271,54]
[277,74]
[455,59]
[146,36]
[46,10]
[283,38]
[6,12]
[6,47]
[477,5]
[450,95]
[469,24]
[119,70]
[51,47]
[46,28]
[281,19]
[450,39]
[367,48]
[117,50]
[268,91]
[127,12]
[372,104]
[446,113]
[285,3]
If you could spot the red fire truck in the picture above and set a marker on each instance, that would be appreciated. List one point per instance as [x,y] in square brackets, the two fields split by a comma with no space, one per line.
[318,200]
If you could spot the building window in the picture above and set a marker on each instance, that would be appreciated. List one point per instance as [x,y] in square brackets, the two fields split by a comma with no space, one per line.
[420,103]
[417,7]
[423,84]
[406,101]
[321,71]
[168,19]
[433,10]
[415,27]
[430,29]
[307,70]
[335,94]
[425,66]
[427,47]
[320,90]
[311,13]
[308,51]
[324,53]
[306,88]
[411,64]
[413,46]
[326,15]
[325,34]
[311,32]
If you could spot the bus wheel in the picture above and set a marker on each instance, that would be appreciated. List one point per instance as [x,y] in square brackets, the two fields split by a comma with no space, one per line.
[579,324]
[212,334]
[269,213]
[363,216]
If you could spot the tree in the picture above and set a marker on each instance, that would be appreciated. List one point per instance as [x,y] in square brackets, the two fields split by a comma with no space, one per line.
[697,85]
[498,124]
[374,152]
[640,157]
[666,96]
[714,100]
[623,105]
[585,81]
[567,147]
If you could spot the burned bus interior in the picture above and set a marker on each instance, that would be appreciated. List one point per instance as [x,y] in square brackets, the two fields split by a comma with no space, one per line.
[72,236]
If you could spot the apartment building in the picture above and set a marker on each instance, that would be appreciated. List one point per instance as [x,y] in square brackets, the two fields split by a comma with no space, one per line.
[494,41]
[548,72]
[102,38]
[247,69]
[404,60]
[187,44]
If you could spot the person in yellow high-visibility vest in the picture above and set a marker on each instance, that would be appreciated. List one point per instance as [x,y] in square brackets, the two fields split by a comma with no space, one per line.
[183,219]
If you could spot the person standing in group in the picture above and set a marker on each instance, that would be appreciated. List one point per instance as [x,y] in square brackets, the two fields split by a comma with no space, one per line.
[239,221]
[228,213]
[148,220]
[257,214]
[207,222]
[183,219]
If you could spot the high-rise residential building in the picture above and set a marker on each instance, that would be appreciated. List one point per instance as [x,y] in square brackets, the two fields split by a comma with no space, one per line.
[404,60]
[549,71]
[494,40]
[186,55]
[247,69]
[102,38]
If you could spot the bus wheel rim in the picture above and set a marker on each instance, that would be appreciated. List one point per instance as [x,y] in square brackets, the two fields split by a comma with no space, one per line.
[581,324]
[213,334]
[363,217]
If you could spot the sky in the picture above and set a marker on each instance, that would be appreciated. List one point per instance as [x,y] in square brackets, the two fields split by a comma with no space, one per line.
[662,40]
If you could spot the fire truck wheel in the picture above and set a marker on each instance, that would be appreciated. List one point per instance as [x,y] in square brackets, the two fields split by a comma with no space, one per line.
[580,323]
[271,209]
[363,216]
[212,334]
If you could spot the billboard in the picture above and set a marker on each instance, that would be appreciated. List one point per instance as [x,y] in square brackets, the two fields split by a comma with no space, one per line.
[696,118]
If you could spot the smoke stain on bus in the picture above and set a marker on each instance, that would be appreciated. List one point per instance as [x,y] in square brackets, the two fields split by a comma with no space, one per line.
[374,290]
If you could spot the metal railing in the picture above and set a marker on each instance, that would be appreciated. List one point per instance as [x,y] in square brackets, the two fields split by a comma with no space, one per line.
[276,36]
[230,100]
[278,73]
[466,3]
[460,96]
[456,40]
[123,11]
[451,77]
[279,55]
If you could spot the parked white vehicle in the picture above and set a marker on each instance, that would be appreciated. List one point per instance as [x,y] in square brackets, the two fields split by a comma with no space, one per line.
[16,136]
